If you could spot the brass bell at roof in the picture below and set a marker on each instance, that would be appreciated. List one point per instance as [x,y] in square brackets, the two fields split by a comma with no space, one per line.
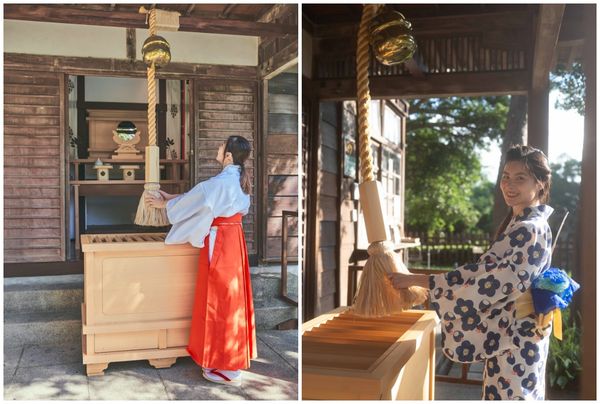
[391,37]
[156,50]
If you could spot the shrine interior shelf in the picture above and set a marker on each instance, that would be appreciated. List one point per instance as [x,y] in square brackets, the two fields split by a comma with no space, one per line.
[85,182]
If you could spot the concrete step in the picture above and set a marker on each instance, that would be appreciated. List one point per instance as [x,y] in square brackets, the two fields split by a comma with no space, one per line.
[39,328]
[64,327]
[65,292]
[270,312]
[268,284]
[43,294]
[46,309]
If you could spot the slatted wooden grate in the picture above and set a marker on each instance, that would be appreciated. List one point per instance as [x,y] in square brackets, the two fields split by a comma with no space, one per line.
[351,342]
[125,238]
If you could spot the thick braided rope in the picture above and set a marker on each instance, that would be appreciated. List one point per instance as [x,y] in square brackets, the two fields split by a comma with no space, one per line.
[364,97]
[152,89]
[151,106]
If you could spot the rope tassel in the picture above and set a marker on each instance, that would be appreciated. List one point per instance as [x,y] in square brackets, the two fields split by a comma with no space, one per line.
[376,296]
[146,215]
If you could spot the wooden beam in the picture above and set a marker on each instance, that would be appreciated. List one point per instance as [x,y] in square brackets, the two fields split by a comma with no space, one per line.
[430,26]
[538,113]
[227,11]
[281,58]
[438,85]
[74,15]
[123,67]
[546,38]
[189,10]
[308,26]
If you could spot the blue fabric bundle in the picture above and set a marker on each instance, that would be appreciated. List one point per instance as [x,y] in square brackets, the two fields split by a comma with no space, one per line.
[552,289]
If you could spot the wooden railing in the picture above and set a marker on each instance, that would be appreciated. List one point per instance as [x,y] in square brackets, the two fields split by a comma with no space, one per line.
[284,255]
[448,250]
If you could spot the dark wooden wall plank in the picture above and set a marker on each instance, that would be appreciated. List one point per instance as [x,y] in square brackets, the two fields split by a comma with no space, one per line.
[274,245]
[279,203]
[282,144]
[280,167]
[327,229]
[275,224]
[283,123]
[283,185]
[31,110]
[226,108]
[33,162]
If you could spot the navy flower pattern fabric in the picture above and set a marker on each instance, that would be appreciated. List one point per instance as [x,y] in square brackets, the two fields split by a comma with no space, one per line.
[465,351]
[488,286]
[455,278]
[520,237]
[491,343]
[476,303]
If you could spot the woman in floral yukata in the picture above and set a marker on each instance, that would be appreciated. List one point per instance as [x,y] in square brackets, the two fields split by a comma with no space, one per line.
[209,216]
[477,302]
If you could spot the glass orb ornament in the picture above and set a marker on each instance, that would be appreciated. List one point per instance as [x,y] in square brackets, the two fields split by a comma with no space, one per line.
[156,50]
[126,130]
[390,35]
[126,136]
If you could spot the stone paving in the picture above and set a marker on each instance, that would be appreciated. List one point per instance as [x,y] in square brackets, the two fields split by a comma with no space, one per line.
[56,372]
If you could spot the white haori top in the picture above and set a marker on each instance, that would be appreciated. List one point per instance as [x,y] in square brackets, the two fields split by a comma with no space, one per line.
[193,212]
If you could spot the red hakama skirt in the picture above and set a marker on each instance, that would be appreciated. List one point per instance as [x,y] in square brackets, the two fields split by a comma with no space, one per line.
[223,334]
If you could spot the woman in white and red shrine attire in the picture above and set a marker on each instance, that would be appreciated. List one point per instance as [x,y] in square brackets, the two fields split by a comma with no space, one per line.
[209,216]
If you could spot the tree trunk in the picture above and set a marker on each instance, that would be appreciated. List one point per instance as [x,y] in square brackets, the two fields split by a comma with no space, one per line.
[516,133]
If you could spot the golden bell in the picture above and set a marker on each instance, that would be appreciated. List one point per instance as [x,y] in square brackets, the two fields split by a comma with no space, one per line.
[391,37]
[156,50]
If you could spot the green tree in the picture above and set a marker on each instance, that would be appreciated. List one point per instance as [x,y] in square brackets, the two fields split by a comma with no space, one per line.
[483,202]
[443,167]
[566,181]
[570,82]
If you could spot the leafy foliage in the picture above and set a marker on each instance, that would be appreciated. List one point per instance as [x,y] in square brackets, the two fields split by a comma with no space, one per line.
[566,179]
[483,203]
[571,86]
[564,359]
[564,193]
[443,167]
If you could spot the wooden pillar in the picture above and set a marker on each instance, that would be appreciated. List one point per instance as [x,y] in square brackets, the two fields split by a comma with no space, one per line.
[587,233]
[546,37]
[310,110]
[537,118]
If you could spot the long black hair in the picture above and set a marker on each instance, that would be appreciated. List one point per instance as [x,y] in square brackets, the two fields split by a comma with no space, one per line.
[240,149]
[536,163]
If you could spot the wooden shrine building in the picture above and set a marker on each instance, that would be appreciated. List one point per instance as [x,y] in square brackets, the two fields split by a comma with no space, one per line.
[73,72]
[463,50]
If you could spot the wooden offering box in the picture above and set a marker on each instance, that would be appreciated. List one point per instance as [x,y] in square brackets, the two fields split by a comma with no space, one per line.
[346,357]
[138,299]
